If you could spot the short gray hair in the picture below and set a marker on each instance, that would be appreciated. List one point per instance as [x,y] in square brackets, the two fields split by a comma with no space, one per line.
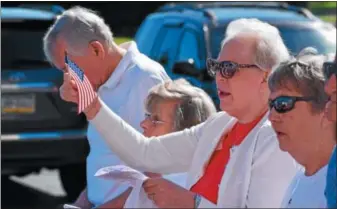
[270,48]
[194,105]
[78,27]
[304,73]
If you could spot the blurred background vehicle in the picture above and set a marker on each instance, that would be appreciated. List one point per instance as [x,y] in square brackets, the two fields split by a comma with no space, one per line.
[38,129]
[181,36]
[124,18]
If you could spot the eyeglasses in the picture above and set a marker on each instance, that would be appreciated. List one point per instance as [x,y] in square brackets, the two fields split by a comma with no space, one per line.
[227,69]
[329,68]
[283,104]
[154,121]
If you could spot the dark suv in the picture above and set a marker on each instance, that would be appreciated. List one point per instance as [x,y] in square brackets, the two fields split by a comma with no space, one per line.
[182,35]
[38,129]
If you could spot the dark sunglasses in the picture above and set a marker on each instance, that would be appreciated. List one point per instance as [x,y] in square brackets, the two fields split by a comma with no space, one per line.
[227,69]
[283,104]
[329,68]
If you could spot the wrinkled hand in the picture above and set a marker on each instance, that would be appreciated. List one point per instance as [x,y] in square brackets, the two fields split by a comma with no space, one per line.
[68,90]
[166,194]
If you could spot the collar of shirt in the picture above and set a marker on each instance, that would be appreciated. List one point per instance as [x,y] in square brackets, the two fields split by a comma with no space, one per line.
[124,64]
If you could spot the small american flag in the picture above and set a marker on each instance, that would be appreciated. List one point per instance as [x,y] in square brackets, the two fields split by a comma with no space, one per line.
[85,91]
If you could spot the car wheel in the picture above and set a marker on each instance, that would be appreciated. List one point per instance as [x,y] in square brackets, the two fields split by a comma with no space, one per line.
[73,178]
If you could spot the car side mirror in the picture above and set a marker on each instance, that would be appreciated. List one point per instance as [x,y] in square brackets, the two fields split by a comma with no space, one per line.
[185,68]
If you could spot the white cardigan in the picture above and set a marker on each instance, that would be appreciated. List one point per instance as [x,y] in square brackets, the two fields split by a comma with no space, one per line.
[257,174]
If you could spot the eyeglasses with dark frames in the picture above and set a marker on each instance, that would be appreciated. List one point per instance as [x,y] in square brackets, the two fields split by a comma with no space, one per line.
[283,104]
[227,69]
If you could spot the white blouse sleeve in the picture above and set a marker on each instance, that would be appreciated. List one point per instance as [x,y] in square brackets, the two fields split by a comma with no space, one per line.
[166,154]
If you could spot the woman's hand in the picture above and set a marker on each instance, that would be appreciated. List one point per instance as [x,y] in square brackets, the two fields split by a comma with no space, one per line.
[69,93]
[166,194]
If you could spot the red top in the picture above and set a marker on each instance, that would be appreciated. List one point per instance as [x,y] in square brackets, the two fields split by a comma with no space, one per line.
[207,186]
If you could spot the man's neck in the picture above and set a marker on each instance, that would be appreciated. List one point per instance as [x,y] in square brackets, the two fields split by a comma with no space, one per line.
[113,59]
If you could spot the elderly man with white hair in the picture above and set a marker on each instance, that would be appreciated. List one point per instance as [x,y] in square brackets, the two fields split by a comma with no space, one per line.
[233,159]
[121,75]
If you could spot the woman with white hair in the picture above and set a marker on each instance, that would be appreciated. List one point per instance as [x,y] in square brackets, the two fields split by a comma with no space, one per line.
[171,106]
[233,159]
[297,103]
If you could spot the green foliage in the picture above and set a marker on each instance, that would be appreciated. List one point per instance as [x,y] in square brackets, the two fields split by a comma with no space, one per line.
[321,5]
[120,40]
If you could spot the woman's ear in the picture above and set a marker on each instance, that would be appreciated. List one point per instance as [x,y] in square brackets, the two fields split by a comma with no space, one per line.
[97,49]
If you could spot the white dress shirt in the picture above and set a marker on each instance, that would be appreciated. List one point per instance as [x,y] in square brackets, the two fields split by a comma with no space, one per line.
[124,93]
[257,175]
[307,191]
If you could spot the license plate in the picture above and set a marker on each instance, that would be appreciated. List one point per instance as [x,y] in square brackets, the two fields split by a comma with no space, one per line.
[18,104]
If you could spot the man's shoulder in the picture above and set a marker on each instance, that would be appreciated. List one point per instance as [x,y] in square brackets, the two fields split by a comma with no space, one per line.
[146,67]
[141,64]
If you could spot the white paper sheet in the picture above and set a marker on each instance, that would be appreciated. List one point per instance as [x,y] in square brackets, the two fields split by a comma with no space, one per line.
[126,175]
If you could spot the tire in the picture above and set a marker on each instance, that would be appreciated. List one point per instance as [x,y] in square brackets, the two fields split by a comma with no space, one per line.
[73,178]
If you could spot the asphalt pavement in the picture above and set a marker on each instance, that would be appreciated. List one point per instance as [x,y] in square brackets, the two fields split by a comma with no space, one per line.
[43,190]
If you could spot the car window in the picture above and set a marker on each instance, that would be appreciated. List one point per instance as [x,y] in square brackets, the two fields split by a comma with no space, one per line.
[166,50]
[295,39]
[189,48]
[21,44]
[145,37]
[217,35]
